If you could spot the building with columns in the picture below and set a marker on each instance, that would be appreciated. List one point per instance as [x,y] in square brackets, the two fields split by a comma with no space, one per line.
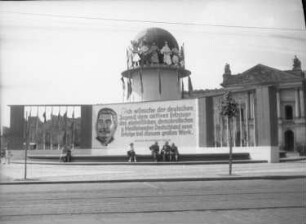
[271,107]
[157,107]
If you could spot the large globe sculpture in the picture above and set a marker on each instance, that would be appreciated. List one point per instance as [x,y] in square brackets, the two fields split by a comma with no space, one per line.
[157,35]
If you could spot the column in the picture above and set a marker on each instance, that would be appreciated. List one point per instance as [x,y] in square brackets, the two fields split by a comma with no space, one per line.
[302,106]
[227,132]
[297,103]
[234,130]
[247,113]
[240,123]
[278,104]
[221,136]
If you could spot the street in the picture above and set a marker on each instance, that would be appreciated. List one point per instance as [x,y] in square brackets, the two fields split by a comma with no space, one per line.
[237,202]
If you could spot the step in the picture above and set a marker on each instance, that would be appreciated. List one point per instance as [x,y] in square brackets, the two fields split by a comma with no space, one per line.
[145,158]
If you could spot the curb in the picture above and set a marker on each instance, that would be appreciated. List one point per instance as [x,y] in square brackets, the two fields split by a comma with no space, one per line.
[212,162]
[225,178]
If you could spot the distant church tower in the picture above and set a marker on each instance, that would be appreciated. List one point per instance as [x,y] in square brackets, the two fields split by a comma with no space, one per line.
[155,67]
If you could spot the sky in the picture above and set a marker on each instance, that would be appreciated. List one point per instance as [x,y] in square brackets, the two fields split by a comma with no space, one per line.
[73,52]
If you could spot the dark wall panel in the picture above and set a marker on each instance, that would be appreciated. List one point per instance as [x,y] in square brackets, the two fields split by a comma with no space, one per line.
[86,126]
[16,127]
[206,122]
[266,116]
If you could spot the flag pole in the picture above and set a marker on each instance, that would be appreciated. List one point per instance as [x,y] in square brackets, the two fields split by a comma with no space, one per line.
[44,130]
[27,145]
[36,129]
[58,126]
[66,120]
[51,132]
[72,134]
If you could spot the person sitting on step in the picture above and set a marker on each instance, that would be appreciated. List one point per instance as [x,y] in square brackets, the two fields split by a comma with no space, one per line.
[174,153]
[155,151]
[166,150]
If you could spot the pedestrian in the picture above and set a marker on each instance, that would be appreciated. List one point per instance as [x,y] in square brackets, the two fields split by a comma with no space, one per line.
[68,155]
[8,156]
[155,151]
[174,153]
[131,153]
[2,155]
[63,156]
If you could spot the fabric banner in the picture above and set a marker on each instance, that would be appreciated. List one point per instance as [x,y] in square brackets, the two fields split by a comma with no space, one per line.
[116,125]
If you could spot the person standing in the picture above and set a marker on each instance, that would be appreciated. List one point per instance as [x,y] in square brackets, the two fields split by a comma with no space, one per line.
[8,156]
[131,153]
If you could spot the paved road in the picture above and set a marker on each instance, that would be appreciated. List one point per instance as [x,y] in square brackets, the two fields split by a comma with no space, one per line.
[237,202]
[69,172]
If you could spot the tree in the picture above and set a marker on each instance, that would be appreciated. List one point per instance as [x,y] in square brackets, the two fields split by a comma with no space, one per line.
[229,109]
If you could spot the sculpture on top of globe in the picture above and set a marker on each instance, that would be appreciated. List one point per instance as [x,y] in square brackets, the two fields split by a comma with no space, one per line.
[154,46]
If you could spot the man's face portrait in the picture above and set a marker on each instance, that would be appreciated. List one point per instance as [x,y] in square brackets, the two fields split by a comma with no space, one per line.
[106,125]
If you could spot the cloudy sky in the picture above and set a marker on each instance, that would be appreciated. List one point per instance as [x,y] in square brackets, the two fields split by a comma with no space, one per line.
[73,52]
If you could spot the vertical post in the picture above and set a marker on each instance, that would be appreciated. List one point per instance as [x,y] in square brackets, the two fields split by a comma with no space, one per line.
[44,130]
[51,131]
[59,128]
[72,131]
[27,146]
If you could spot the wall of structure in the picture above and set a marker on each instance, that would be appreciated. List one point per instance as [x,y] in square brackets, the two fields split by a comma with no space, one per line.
[154,83]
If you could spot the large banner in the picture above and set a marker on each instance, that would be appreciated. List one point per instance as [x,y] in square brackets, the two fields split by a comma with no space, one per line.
[117,125]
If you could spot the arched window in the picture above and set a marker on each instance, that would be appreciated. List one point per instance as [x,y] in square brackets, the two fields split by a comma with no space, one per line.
[288,112]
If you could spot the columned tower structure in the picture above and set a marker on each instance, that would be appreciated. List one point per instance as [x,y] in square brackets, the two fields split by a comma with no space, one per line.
[155,67]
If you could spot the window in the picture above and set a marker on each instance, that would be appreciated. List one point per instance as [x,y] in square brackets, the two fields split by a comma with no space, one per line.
[288,112]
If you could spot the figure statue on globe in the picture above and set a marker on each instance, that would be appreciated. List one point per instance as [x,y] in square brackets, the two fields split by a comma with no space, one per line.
[175,56]
[134,54]
[154,54]
[166,51]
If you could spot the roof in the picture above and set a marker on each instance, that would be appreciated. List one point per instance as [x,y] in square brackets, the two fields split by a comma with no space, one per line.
[261,74]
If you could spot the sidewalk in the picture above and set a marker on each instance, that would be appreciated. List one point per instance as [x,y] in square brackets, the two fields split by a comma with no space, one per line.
[79,173]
